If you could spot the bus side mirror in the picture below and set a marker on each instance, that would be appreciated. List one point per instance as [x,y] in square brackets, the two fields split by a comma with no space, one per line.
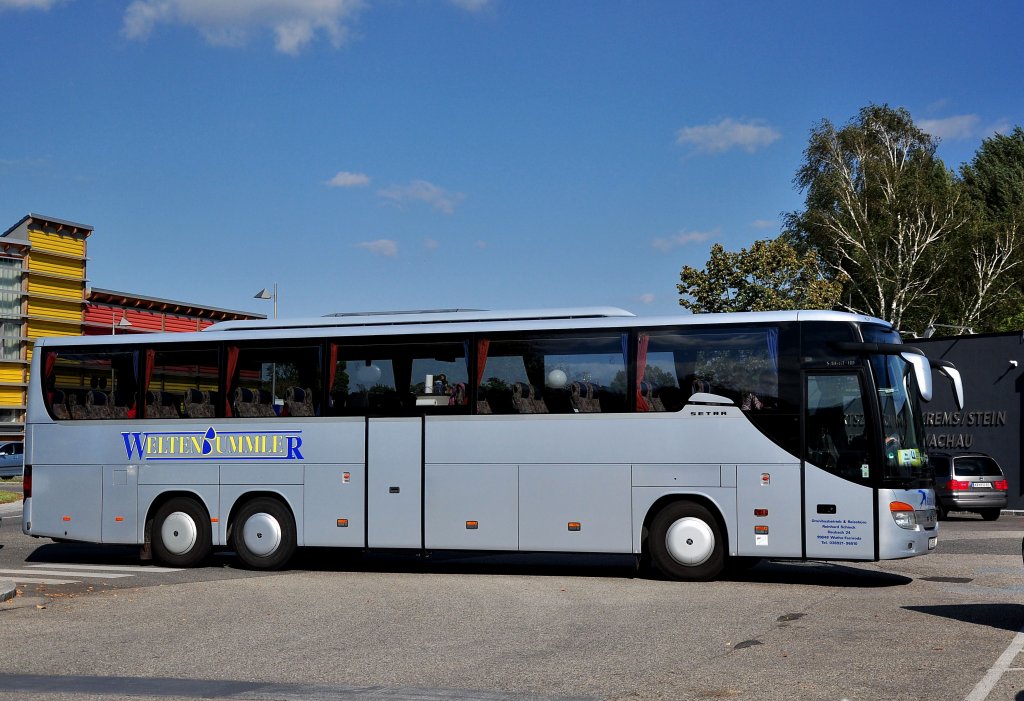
[955,380]
[922,373]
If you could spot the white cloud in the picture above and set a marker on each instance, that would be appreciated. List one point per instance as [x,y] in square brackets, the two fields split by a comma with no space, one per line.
[682,238]
[347,179]
[726,135]
[423,191]
[380,247]
[480,244]
[294,23]
[431,244]
[646,298]
[1003,126]
[963,126]
[764,223]
[27,4]
[471,5]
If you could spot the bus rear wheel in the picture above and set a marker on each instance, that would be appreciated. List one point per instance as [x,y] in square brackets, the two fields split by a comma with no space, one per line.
[686,542]
[181,533]
[264,534]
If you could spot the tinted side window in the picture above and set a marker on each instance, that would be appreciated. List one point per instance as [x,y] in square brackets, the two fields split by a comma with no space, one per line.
[551,374]
[181,383]
[740,364]
[398,378]
[86,384]
[272,381]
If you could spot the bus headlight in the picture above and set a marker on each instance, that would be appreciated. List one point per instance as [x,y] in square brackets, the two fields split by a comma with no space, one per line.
[903,514]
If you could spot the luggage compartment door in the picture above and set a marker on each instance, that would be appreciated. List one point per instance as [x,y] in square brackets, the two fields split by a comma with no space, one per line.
[394,469]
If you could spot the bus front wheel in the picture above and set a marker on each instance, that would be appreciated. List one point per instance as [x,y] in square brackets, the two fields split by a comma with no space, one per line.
[686,542]
[264,534]
[182,535]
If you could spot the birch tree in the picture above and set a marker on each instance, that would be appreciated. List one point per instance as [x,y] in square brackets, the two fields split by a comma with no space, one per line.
[985,290]
[881,210]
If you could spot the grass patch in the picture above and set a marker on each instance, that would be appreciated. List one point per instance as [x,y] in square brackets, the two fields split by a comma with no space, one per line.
[8,497]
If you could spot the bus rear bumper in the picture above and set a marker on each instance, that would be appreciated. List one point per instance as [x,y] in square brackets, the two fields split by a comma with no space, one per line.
[26,516]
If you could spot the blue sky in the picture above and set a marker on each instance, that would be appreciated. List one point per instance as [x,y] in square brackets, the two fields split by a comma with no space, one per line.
[492,154]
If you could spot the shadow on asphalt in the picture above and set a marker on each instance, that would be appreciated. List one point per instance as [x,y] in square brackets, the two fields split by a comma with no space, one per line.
[524,564]
[999,616]
[583,565]
[85,554]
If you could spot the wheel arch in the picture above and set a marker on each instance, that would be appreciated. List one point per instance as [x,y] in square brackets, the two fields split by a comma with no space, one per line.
[246,497]
[164,497]
[694,498]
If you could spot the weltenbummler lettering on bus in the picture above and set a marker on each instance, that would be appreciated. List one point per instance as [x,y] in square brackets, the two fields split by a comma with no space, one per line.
[690,442]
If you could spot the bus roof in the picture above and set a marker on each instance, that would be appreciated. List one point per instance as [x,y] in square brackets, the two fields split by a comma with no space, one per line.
[409,318]
[398,323]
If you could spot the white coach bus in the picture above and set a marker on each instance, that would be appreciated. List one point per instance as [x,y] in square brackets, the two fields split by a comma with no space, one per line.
[683,440]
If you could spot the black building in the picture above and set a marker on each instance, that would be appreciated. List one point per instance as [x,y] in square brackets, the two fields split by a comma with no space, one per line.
[992,366]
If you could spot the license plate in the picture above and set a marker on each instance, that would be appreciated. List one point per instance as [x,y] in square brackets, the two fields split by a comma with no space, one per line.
[982,485]
[932,542]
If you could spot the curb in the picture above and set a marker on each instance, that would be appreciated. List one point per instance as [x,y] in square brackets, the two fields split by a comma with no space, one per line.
[7,590]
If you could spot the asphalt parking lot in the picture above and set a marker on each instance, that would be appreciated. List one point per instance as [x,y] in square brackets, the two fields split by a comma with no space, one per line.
[944,626]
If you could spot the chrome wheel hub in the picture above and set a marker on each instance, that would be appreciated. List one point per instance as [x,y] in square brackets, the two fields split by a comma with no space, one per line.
[690,541]
[178,533]
[261,534]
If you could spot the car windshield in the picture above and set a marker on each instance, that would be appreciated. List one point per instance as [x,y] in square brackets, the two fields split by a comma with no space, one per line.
[902,424]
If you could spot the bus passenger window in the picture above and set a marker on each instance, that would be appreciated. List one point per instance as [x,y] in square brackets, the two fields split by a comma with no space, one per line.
[399,379]
[570,374]
[183,383]
[92,384]
[271,381]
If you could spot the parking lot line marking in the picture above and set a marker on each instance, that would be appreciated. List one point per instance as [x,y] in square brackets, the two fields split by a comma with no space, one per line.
[111,568]
[36,580]
[95,575]
[1002,665]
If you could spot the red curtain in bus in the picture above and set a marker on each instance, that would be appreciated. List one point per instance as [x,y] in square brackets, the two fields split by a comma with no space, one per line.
[232,366]
[332,372]
[482,345]
[641,365]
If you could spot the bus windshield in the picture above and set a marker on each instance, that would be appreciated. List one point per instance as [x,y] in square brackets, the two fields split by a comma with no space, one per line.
[898,400]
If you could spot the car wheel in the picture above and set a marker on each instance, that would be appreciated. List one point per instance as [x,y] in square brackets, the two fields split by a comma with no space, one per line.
[989,514]
[942,512]
[264,534]
[181,534]
[686,542]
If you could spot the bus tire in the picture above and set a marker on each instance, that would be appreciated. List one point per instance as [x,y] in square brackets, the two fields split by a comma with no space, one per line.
[686,542]
[181,533]
[264,534]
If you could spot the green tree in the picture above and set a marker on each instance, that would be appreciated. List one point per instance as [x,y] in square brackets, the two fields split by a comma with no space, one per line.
[984,290]
[771,275]
[880,209]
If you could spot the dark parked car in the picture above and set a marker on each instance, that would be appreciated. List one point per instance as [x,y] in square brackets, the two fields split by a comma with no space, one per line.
[968,482]
[12,458]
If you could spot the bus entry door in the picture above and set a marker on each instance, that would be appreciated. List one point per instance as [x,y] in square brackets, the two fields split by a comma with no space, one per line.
[839,512]
[394,479]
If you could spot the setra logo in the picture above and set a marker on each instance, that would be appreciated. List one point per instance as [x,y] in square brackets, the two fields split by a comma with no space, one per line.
[212,445]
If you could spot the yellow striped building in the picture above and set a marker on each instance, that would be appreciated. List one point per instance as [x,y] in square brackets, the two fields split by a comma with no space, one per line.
[42,293]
